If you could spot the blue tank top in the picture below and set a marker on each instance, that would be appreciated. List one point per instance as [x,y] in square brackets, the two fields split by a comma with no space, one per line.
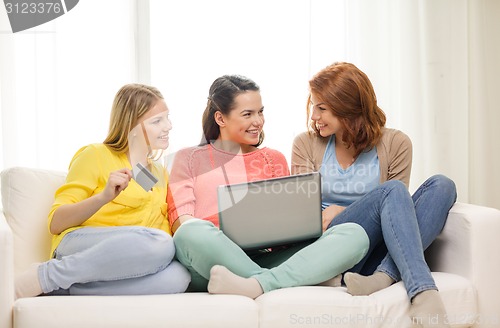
[344,186]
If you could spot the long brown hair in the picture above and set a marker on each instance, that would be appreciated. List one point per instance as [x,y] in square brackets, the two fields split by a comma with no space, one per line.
[348,92]
[131,102]
[221,97]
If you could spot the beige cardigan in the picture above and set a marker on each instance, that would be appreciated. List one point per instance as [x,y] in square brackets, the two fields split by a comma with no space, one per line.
[394,152]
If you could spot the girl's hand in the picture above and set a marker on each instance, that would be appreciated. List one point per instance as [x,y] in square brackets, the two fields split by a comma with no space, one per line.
[117,182]
[73,215]
[330,213]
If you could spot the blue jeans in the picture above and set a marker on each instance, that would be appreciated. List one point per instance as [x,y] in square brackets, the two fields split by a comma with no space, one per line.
[114,261]
[400,227]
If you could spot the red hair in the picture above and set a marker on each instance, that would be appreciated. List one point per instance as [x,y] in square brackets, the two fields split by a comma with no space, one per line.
[349,94]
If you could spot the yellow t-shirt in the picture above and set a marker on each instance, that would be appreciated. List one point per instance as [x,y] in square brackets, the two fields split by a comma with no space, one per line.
[88,173]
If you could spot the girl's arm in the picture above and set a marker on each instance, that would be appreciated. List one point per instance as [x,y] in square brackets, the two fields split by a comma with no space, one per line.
[180,220]
[72,215]
[302,155]
[180,192]
[399,158]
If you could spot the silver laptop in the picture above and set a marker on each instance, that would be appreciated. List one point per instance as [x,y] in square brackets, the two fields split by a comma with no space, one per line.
[267,213]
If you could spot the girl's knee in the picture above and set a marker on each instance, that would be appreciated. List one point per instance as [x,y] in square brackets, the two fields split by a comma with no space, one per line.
[445,184]
[156,245]
[441,188]
[360,236]
[192,232]
[175,278]
[355,241]
[179,277]
[159,239]
[360,242]
[395,185]
[356,234]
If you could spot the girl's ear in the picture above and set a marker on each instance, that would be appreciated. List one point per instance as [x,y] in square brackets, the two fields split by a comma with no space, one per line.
[219,119]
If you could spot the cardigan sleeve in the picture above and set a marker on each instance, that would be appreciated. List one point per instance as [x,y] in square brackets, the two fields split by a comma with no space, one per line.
[399,157]
[307,153]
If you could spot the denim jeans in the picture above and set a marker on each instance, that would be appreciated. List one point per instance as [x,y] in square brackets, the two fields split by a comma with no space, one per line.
[200,245]
[400,227]
[114,261]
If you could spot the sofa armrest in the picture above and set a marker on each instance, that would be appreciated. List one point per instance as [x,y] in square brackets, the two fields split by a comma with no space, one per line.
[6,273]
[467,246]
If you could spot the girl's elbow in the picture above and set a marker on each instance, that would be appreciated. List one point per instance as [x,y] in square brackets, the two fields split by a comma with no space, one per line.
[55,226]
[53,229]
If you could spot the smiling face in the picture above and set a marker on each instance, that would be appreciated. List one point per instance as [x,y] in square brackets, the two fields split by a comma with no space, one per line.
[243,124]
[156,125]
[150,135]
[326,122]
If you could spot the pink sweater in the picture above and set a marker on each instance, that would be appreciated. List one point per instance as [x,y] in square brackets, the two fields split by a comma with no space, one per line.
[197,171]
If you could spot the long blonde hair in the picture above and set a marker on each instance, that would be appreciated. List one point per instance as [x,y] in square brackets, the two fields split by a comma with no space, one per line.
[131,102]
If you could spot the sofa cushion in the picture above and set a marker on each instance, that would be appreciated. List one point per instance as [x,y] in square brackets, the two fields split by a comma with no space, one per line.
[27,195]
[181,310]
[334,307]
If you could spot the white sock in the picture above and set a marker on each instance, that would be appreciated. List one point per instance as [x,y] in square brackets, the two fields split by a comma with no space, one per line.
[427,310]
[223,281]
[366,285]
[27,283]
[333,282]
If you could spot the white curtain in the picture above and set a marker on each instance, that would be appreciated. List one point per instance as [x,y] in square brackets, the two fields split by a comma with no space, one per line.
[484,108]
[57,81]
[435,68]
[433,64]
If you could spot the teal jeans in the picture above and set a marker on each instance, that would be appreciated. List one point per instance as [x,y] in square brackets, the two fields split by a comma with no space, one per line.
[200,245]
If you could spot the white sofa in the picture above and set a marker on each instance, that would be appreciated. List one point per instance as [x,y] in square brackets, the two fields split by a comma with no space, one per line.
[464,261]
